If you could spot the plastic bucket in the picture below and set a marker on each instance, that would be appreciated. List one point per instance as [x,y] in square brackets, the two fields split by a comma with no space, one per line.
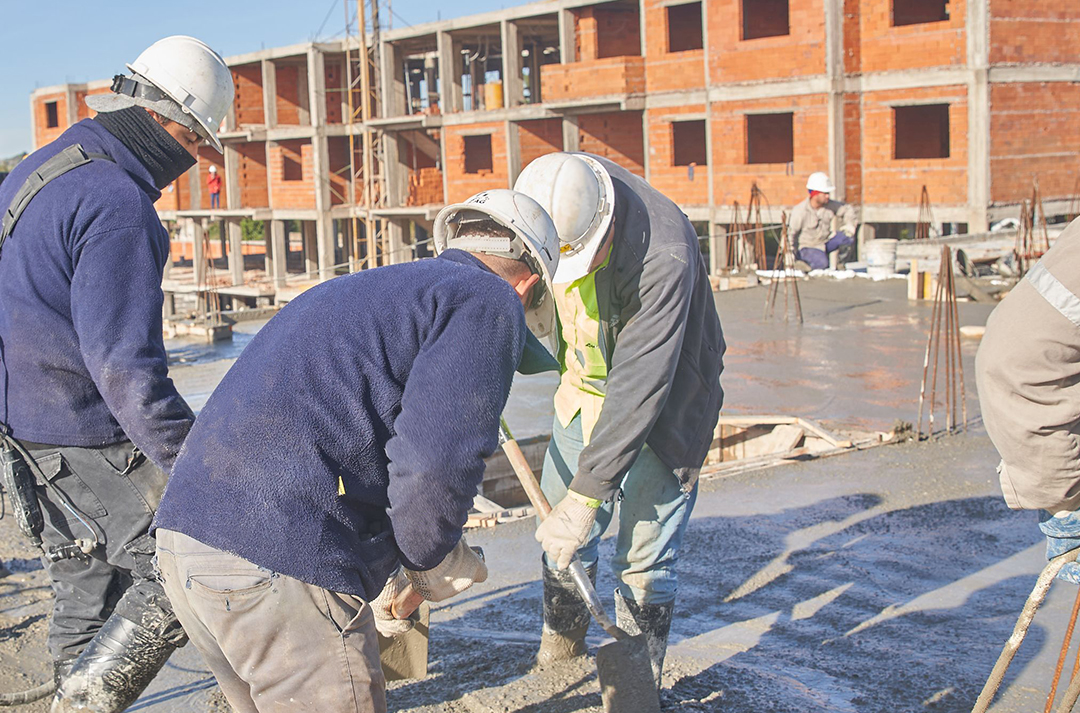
[881,257]
[493,95]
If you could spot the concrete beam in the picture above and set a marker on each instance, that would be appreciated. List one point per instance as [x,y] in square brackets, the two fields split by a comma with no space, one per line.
[236,251]
[1056,73]
[269,82]
[513,87]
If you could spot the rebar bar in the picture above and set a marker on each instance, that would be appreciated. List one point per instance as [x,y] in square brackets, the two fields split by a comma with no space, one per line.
[944,325]
[1064,654]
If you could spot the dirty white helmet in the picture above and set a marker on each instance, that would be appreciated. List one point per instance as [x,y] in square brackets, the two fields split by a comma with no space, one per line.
[213,169]
[535,239]
[577,192]
[179,78]
[820,182]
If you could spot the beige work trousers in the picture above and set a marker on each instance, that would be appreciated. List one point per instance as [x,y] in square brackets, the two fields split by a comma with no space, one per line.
[274,643]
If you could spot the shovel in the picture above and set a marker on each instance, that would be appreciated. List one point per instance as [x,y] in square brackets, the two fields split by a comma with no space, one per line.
[624,668]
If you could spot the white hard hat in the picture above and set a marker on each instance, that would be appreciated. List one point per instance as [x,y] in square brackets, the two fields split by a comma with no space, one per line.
[179,78]
[536,239]
[820,182]
[213,169]
[577,192]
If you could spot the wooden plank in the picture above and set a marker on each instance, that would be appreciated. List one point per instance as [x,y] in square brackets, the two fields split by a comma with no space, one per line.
[824,435]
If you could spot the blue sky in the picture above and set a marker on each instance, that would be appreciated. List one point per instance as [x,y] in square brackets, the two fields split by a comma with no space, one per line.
[46,43]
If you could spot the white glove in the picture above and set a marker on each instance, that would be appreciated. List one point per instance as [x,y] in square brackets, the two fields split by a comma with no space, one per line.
[567,528]
[385,622]
[458,571]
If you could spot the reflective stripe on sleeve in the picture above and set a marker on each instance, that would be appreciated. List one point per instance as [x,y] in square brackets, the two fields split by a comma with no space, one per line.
[1055,293]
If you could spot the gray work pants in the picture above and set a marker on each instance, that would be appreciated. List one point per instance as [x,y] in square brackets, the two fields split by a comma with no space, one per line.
[273,642]
[120,490]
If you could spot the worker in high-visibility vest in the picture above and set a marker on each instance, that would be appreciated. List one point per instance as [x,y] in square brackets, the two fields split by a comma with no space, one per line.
[640,353]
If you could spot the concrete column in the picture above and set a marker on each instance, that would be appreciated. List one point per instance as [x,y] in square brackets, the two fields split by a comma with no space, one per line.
[311,249]
[978,59]
[449,74]
[280,251]
[33,124]
[567,51]
[392,73]
[717,248]
[395,243]
[303,90]
[232,176]
[268,248]
[834,69]
[571,139]
[195,188]
[236,251]
[269,80]
[168,307]
[397,175]
[198,236]
[513,94]
[72,105]
[513,152]
[320,166]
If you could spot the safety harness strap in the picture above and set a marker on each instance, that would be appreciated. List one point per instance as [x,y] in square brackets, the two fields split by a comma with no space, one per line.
[71,157]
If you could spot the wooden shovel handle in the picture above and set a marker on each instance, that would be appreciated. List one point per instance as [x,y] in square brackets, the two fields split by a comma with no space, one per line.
[408,601]
[525,474]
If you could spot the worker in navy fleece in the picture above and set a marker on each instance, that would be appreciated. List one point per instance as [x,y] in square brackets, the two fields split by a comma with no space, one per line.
[335,465]
[85,396]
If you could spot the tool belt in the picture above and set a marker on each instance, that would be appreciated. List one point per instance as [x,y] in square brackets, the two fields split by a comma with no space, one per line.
[19,473]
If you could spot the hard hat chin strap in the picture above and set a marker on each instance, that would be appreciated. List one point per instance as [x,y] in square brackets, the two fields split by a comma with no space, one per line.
[149,96]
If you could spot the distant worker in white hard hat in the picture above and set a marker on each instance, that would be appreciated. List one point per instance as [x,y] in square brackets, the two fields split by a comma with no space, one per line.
[89,417]
[811,225]
[640,353]
[213,184]
[336,463]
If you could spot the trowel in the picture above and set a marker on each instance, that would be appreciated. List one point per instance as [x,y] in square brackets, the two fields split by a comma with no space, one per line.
[624,669]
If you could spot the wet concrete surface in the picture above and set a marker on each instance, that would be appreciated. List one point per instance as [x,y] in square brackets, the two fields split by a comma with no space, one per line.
[882,580]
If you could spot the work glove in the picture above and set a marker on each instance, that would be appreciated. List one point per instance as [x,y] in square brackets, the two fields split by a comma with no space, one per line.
[458,571]
[381,607]
[1062,535]
[567,528]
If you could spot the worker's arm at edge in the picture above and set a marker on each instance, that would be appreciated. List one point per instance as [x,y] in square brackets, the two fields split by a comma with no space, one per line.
[449,422]
[116,302]
[642,366]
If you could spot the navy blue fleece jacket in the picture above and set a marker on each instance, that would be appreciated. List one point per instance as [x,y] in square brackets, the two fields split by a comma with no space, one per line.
[351,433]
[82,361]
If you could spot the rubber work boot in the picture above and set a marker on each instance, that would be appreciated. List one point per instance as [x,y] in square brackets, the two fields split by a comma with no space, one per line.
[652,620]
[566,618]
[124,656]
[61,668]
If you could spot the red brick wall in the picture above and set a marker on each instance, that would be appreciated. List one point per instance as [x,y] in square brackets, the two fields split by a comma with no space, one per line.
[607,32]
[593,78]
[462,185]
[83,111]
[248,101]
[889,181]
[539,137]
[252,172]
[853,164]
[290,194]
[666,71]
[1034,31]
[335,94]
[678,183]
[288,93]
[1034,132]
[44,134]
[783,184]
[425,178]
[931,44]
[799,54]
[852,37]
[617,136]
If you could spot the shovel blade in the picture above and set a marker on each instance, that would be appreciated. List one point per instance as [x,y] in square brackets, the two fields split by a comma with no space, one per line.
[405,657]
[626,677]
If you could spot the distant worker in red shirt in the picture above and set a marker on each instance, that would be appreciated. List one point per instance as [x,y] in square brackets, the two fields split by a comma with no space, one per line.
[213,183]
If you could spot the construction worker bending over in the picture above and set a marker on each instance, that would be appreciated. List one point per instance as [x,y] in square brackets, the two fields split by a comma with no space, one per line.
[810,227]
[1028,370]
[641,354]
[93,421]
[338,460]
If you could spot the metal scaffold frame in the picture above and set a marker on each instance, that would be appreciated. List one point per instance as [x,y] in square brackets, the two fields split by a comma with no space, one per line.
[365,179]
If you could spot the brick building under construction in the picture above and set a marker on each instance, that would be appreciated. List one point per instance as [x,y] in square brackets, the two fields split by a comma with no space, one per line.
[972,99]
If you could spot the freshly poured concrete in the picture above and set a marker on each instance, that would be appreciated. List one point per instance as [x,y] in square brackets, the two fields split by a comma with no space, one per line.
[881,580]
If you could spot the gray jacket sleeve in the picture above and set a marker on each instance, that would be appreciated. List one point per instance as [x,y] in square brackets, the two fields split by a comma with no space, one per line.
[655,304]
[1028,371]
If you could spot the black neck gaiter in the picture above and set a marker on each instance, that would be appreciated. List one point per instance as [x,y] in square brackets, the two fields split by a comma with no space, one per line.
[155,147]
